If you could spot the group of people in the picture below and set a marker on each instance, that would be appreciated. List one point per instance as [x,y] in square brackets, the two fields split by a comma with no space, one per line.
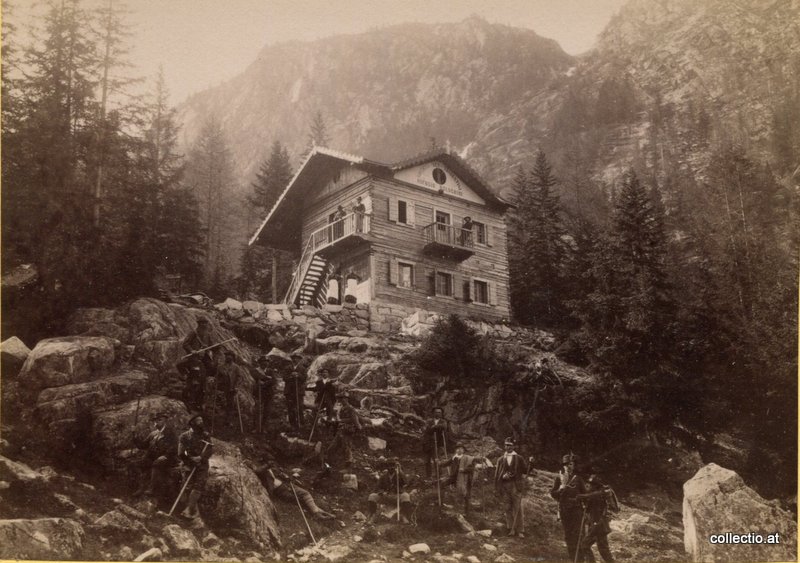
[583,503]
[359,211]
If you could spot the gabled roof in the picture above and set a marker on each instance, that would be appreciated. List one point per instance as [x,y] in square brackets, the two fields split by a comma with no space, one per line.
[322,163]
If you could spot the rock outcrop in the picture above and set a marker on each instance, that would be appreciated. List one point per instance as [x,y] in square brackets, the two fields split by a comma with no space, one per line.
[235,498]
[13,354]
[716,500]
[41,538]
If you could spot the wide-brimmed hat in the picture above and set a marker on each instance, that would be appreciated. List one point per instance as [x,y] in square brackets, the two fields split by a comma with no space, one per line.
[194,416]
[509,442]
[570,458]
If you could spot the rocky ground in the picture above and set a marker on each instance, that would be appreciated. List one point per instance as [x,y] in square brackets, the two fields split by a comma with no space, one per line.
[74,406]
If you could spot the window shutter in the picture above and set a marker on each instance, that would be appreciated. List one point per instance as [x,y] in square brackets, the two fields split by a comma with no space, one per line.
[492,293]
[393,271]
[435,281]
[410,212]
[392,208]
[468,290]
[453,285]
[419,277]
[488,229]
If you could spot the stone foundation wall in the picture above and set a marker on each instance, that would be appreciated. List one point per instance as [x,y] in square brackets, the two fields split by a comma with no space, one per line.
[385,317]
[413,321]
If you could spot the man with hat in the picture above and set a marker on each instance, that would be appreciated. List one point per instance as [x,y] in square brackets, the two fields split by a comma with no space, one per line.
[194,450]
[566,489]
[434,437]
[264,389]
[390,482]
[229,376]
[509,481]
[282,486]
[294,388]
[462,470]
[199,365]
[348,424]
[160,456]
[597,507]
[325,388]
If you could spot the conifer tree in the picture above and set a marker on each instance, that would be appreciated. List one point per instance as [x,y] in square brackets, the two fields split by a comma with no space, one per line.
[318,134]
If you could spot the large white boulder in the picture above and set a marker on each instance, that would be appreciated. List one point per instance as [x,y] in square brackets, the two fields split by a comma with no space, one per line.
[13,354]
[42,538]
[235,498]
[715,501]
[54,362]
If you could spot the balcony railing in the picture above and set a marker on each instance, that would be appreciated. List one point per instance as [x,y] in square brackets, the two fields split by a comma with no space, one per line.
[352,224]
[448,235]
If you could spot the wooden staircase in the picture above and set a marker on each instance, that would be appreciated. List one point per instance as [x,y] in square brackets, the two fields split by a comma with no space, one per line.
[310,282]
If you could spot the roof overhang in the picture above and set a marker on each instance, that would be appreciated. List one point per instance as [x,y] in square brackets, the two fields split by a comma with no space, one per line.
[282,227]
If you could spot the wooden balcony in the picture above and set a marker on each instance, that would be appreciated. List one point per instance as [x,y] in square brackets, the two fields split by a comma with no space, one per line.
[446,241]
[339,235]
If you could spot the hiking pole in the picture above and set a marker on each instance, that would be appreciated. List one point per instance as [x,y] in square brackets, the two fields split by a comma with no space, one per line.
[189,478]
[208,348]
[580,532]
[314,425]
[444,443]
[436,463]
[303,514]
[397,477]
[213,404]
[299,410]
[259,407]
[239,411]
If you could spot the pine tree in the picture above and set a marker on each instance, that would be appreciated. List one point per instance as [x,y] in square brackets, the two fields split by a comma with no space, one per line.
[538,249]
[317,135]
[209,171]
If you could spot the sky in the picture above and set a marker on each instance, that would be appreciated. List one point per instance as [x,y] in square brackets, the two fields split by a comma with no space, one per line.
[201,43]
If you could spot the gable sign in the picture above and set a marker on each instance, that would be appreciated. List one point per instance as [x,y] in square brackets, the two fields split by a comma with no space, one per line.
[436,177]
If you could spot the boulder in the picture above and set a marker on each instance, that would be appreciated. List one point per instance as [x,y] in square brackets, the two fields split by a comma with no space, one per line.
[42,538]
[163,354]
[152,554]
[371,375]
[113,428]
[62,407]
[180,541]
[253,307]
[419,548]
[61,361]
[13,471]
[716,500]
[13,354]
[114,521]
[376,444]
[235,498]
[99,322]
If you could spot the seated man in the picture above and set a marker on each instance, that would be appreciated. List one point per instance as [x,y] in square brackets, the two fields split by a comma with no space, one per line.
[284,487]
[161,446]
[391,481]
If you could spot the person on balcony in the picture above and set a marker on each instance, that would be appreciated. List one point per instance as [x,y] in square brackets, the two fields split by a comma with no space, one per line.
[466,231]
[359,210]
[338,223]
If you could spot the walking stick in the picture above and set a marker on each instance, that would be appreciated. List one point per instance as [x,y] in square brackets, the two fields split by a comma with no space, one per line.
[214,404]
[314,425]
[436,463]
[444,443]
[397,476]
[185,483]
[299,410]
[303,514]
[580,532]
[239,411]
[259,407]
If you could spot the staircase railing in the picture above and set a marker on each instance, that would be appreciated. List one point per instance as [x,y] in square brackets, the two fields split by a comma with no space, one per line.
[353,223]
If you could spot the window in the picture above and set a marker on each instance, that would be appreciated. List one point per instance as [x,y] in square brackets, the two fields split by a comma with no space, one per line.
[481,293]
[402,212]
[480,232]
[442,217]
[405,275]
[444,284]
[439,176]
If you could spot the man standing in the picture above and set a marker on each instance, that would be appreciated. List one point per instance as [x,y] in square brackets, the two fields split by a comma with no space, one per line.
[566,488]
[325,388]
[391,482]
[229,379]
[462,471]
[194,450]
[338,223]
[466,231]
[199,365]
[597,517]
[294,388]
[434,437]
[509,477]
[265,391]
[359,210]
[348,425]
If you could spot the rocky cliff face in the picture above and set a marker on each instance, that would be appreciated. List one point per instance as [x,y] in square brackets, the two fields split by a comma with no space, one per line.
[666,79]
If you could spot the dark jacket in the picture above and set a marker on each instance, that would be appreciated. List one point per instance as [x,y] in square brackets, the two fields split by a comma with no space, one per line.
[514,471]
[294,387]
[441,430]
[190,444]
[326,392]
[568,497]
